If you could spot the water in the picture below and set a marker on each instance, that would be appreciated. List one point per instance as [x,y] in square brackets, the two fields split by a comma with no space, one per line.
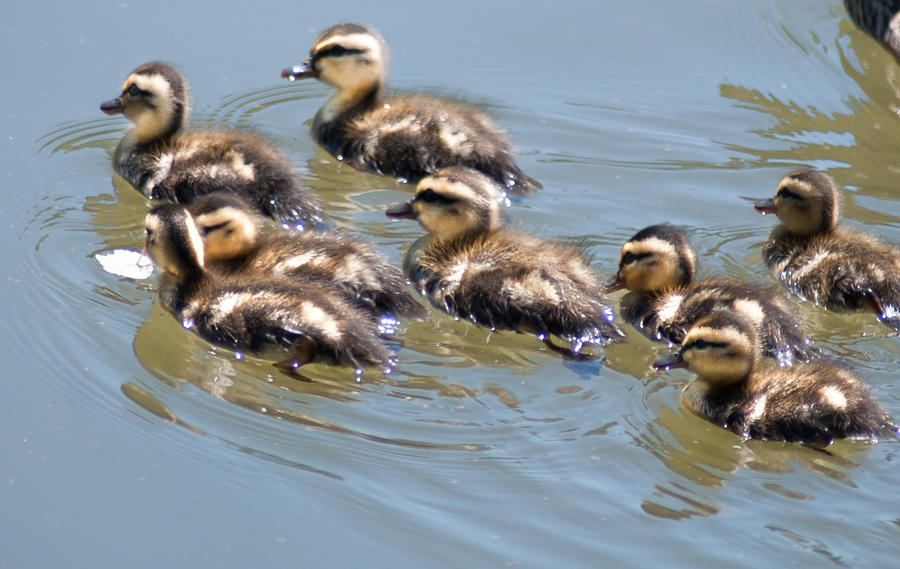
[130,442]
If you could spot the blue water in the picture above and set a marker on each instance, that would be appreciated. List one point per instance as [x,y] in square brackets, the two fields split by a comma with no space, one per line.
[131,443]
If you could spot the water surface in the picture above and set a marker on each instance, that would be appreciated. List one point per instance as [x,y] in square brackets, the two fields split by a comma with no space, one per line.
[130,442]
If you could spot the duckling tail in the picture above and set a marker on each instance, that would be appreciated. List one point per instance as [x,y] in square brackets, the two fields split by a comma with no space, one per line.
[888,314]
[520,184]
[893,427]
[293,208]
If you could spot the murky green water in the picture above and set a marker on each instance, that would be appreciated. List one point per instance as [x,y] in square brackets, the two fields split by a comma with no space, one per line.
[131,443]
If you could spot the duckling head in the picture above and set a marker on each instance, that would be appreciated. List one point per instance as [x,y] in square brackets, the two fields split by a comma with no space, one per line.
[351,57]
[154,97]
[229,227]
[806,202]
[657,258]
[173,240]
[454,202]
[721,348]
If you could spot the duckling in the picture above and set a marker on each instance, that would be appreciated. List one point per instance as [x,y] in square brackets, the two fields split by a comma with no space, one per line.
[821,261]
[813,402]
[472,267]
[402,136]
[258,315]
[657,265]
[164,163]
[237,243]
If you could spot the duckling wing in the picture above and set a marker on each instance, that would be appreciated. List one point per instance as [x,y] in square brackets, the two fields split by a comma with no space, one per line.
[200,162]
[813,403]
[515,286]
[266,316]
[871,282]
[411,137]
[362,274]
[842,269]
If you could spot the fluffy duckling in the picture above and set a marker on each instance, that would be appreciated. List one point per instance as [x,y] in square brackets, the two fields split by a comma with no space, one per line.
[823,262]
[164,163]
[657,265]
[237,243]
[472,267]
[308,322]
[403,136]
[813,403]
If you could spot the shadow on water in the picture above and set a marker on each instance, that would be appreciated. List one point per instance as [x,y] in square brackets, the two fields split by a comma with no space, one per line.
[705,458]
[499,399]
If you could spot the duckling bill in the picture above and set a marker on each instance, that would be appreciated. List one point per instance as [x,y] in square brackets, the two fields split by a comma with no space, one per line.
[407,137]
[813,403]
[304,322]
[820,260]
[165,163]
[472,267]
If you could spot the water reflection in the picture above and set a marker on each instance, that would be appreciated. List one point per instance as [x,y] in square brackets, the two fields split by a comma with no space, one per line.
[848,143]
[180,359]
[148,401]
[705,458]
[808,543]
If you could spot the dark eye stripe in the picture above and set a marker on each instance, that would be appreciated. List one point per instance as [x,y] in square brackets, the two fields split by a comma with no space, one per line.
[784,193]
[431,196]
[338,50]
[210,228]
[700,344]
[630,257]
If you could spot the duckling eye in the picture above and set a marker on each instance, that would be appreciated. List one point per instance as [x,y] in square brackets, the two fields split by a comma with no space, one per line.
[133,90]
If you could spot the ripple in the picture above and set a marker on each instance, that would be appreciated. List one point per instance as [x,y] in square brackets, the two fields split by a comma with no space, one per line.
[811,544]
[73,136]
[239,109]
